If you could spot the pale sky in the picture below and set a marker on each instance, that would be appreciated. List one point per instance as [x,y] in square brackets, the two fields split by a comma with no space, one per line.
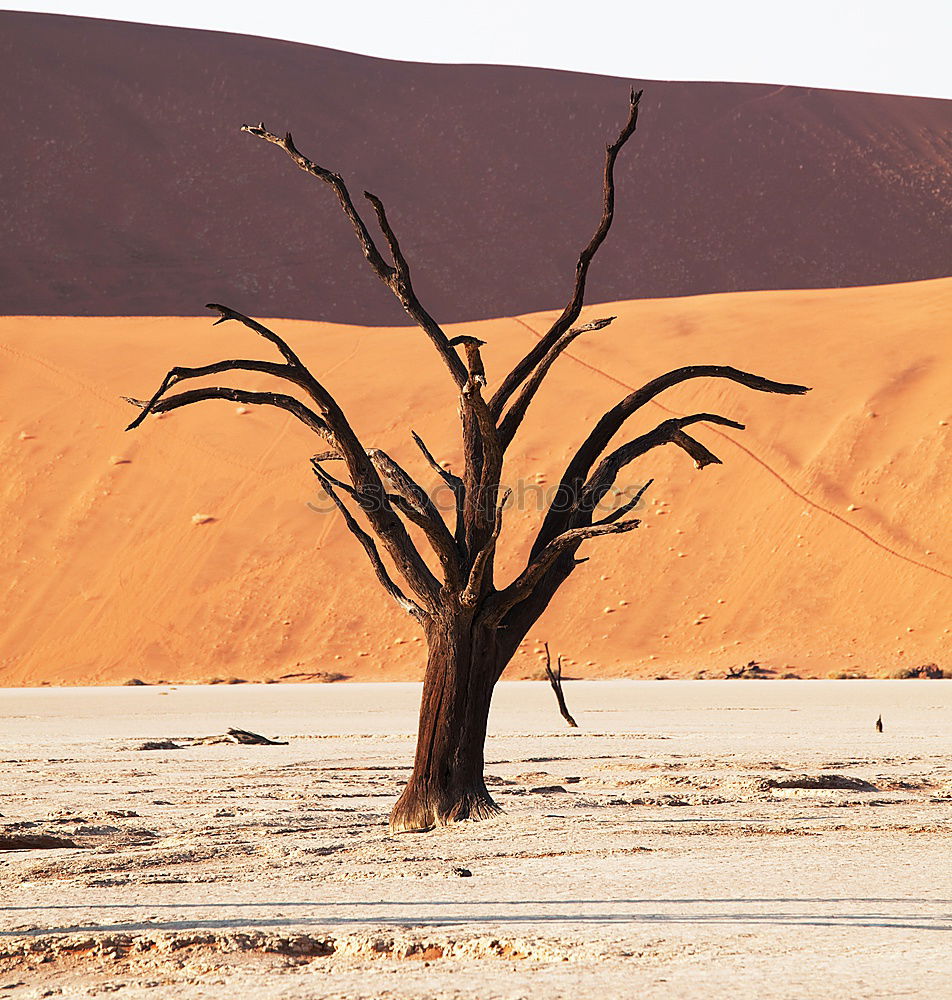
[888,47]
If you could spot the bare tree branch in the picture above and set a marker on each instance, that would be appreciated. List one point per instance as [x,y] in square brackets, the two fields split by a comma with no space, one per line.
[330,423]
[474,360]
[368,545]
[624,509]
[668,432]
[396,278]
[483,561]
[401,265]
[456,485]
[454,482]
[525,583]
[412,500]
[403,483]
[571,312]
[573,479]
[484,457]
[226,313]
[514,416]
[401,285]
[555,679]
[374,258]
[323,474]
[180,374]
[283,402]
[411,510]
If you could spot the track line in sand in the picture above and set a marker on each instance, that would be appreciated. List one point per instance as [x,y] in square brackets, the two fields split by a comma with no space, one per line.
[773,472]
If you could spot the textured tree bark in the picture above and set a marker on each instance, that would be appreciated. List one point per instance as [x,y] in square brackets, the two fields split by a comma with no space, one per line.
[447,781]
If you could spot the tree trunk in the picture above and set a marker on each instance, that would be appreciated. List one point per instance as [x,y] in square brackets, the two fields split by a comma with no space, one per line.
[447,780]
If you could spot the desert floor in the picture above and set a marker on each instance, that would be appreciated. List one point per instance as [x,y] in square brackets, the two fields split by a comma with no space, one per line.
[664,849]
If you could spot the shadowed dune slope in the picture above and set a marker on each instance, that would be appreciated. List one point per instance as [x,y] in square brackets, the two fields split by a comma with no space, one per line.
[821,544]
[128,189]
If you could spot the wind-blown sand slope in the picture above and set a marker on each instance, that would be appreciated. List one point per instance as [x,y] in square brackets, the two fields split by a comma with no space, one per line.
[107,578]
[130,191]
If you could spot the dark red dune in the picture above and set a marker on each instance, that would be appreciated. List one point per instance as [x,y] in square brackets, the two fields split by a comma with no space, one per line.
[128,189]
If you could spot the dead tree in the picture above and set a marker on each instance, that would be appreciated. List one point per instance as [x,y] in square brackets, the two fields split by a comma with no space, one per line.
[472,627]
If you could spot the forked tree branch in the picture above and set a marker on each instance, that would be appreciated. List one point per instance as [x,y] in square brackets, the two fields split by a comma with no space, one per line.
[456,485]
[414,503]
[523,586]
[330,423]
[181,374]
[401,265]
[322,474]
[293,371]
[283,402]
[625,508]
[668,432]
[482,564]
[515,414]
[397,277]
[328,483]
[409,510]
[571,311]
[573,479]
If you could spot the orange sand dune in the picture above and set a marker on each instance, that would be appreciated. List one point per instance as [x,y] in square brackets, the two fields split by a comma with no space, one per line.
[820,545]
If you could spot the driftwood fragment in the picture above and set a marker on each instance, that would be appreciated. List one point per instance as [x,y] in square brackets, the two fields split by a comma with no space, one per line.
[555,679]
[241,736]
[231,736]
[751,671]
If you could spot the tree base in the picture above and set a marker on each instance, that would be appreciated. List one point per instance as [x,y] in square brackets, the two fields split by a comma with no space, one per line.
[418,812]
